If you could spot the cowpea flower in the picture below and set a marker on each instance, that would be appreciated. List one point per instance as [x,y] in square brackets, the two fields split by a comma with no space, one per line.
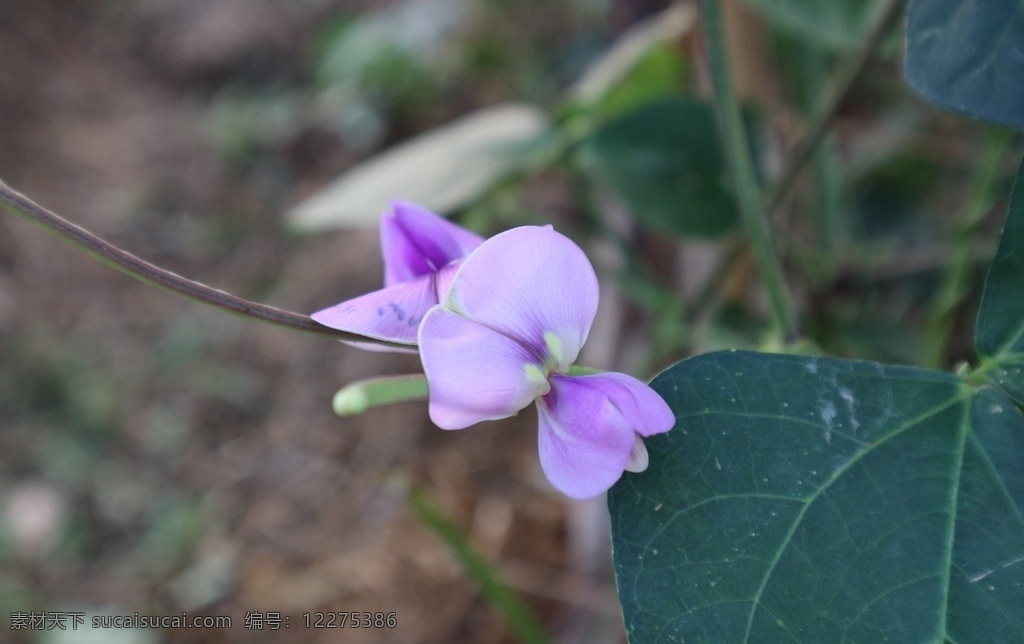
[421,253]
[512,322]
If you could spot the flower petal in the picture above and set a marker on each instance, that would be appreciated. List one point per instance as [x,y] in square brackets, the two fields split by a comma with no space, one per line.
[648,413]
[639,459]
[585,440]
[590,428]
[415,242]
[532,284]
[392,313]
[474,373]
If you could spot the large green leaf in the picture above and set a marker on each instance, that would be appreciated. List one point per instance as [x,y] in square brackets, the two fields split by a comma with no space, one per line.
[999,333]
[967,55]
[824,500]
[664,160]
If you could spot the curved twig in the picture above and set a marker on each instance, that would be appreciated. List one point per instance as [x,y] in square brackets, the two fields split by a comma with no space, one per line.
[151,274]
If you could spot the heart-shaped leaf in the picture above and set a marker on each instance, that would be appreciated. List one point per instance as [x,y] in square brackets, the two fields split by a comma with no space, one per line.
[824,500]
[821,500]
[967,55]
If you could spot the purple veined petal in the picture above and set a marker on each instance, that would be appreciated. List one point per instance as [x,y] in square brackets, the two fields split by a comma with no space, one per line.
[585,440]
[393,313]
[648,413]
[532,284]
[415,242]
[474,373]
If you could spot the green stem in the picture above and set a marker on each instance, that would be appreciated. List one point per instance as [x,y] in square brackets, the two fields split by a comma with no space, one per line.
[142,270]
[737,151]
[955,280]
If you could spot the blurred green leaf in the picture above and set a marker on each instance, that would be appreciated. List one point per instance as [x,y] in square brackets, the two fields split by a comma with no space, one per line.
[441,170]
[174,526]
[836,24]
[418,30]
[999,334]
[824,500]
[966,55]
[656,35]
[661,72]
[241,124]
[664,160]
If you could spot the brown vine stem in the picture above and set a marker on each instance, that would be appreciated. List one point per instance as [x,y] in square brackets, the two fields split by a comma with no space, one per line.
[149,273]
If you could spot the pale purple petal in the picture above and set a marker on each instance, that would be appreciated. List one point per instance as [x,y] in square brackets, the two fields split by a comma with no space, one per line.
[585,440]
[648,413]
[415,242]
[392,313]
[475,373]
[639,459]
[590,428]
[443,279]
[532,284]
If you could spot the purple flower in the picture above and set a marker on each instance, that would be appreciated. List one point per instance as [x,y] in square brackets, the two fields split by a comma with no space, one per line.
[421,253]
[513,321]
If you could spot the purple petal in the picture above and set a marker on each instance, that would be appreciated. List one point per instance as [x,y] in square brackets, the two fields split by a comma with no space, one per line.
[585,441]
[415,242]
[443,279]
[589,426]
[647,412]
[532,284]
[638,457]
[475,373]
[392,313]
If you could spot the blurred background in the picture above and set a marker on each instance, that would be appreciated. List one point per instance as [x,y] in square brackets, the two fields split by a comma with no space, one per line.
[158,456]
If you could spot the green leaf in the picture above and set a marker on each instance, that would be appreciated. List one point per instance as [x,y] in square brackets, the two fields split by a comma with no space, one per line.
[1000,327]
[656,34]
[664,160]
[999,332]
[661,72]
[837,24]
[824,500]
[966,55]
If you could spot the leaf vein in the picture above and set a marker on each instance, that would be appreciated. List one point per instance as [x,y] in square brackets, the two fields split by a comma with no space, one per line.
[832,479]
